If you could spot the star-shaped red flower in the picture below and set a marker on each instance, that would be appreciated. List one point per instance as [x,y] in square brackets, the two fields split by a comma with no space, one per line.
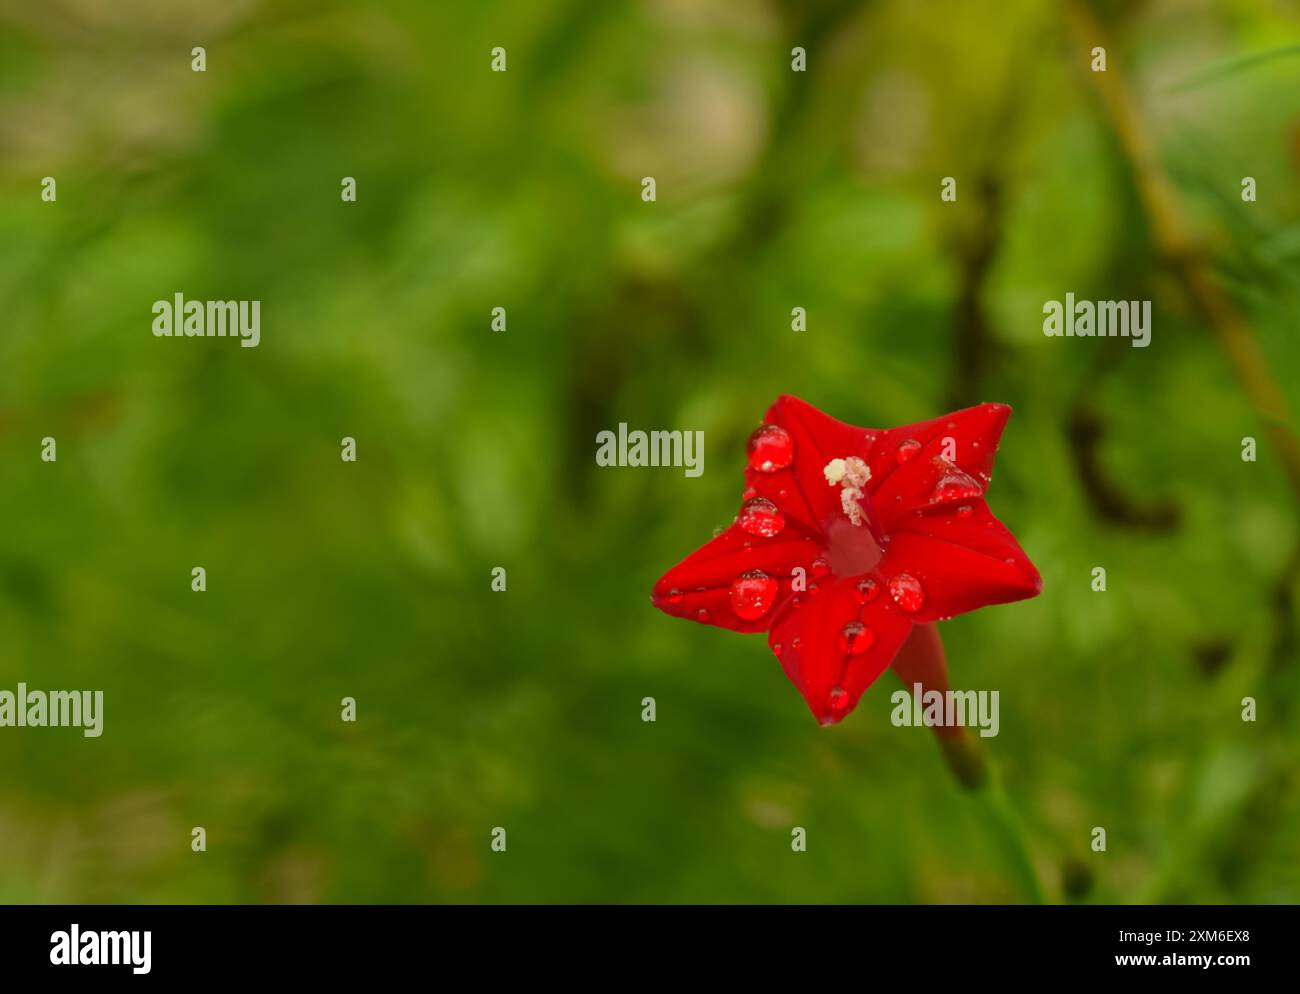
[847,538]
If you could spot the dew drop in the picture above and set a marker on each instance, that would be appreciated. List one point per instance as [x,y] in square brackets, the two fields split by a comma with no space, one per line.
[907,450]
[759,516]
[855,637]
[965,511]
[867,590]
[770,449]
[795,643]
[778,648]
[819,568]
[752,594]
[674,596]
[839,699]
[749,492]
[702,614]
[954,484]
[907,592]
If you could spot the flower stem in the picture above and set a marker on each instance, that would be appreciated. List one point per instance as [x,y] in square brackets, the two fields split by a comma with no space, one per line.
[976,775]
[921,662]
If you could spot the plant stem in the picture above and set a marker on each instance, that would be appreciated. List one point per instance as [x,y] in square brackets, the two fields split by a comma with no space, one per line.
[975,773]
[1185,256]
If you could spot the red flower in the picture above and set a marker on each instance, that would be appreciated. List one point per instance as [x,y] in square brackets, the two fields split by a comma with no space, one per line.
[848,538]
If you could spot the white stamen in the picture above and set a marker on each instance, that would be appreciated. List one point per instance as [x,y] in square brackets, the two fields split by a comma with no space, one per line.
[852,474]
[849,502]
[858,472]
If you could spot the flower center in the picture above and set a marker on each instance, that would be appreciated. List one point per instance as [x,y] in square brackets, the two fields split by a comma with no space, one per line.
[851,550]
[851,475]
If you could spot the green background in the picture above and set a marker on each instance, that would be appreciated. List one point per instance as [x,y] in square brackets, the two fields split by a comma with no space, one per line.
[522,190]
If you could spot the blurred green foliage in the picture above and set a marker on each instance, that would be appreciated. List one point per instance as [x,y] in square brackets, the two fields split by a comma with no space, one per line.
[522,190]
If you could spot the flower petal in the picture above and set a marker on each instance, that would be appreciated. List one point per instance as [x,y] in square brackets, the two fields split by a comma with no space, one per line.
[963,561]
[699,587]
[801,489]
[909,464]
[808,639]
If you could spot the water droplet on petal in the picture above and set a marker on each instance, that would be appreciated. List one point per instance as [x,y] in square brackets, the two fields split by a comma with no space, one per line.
[855,637]
[954,484]
[674,596]
[795,643]
[867,591]
[965,511]
[907,592]
[759,516]
[907,450]
[839,699]
[752,594]
[819,568]
[702,614]
[770,448]
[778,648]
[749,492]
